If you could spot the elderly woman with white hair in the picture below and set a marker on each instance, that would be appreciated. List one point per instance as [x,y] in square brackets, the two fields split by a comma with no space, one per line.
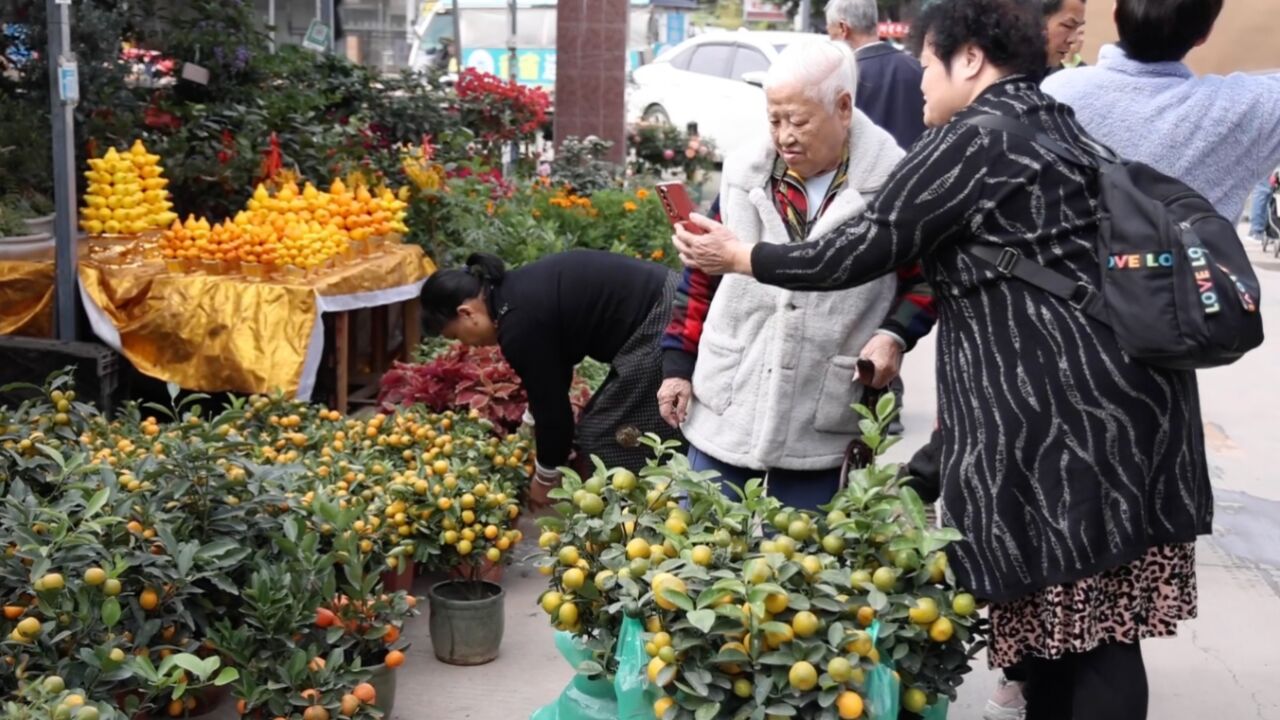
[761,379]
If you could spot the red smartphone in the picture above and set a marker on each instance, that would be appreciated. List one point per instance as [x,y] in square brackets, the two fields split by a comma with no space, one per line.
[676,202]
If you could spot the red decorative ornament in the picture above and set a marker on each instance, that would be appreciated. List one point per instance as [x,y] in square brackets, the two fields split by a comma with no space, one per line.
[272,159]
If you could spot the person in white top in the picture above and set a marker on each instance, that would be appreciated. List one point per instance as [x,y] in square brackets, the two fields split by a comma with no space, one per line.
[761,379]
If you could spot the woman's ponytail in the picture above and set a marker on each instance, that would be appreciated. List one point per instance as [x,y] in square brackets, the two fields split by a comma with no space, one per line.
[487,268]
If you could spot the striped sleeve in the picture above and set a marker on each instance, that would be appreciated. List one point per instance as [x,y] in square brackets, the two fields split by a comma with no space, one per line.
[688,314]
[913,313]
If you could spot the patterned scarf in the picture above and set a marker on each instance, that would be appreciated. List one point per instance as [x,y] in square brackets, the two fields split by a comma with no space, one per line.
[792,201]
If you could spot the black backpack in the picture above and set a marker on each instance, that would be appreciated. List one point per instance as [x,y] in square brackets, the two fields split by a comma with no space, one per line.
[1177,286]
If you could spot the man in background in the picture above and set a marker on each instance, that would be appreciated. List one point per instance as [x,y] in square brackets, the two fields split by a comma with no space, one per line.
[888,78]
[1063,29]
[888,92]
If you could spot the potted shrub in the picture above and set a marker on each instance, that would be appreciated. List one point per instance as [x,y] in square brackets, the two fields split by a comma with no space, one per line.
[819,618]
[18,240]
[473,519]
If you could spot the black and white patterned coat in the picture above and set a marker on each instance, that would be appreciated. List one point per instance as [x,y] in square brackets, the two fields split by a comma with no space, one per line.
[1061,456]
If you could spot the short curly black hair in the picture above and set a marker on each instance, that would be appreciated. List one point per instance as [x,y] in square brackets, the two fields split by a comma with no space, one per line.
[1009,32]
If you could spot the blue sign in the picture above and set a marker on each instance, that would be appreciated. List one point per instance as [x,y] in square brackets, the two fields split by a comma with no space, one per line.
[69,82]
[533,67]
[675,28]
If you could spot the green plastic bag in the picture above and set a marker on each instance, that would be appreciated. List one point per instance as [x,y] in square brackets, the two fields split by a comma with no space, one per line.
[584,698]
[635,697]
[884,692]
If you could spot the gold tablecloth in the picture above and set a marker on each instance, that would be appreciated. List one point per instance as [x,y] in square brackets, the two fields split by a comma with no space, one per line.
[217,333]
[26,298]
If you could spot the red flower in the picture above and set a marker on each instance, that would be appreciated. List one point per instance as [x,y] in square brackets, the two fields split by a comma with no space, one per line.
[159,119]
[228,150]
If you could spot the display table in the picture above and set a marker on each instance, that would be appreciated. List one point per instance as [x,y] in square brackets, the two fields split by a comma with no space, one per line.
[218,333]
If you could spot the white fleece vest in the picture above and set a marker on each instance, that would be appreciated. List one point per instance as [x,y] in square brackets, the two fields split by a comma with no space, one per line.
[774,379]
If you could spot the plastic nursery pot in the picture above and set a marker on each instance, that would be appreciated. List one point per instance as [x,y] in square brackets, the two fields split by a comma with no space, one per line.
[383,681]
[466,621]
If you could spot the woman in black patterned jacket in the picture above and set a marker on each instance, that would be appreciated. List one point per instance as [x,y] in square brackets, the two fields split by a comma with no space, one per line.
[1076,474]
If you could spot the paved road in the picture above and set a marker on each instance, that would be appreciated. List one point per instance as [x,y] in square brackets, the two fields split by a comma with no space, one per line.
[1224,665]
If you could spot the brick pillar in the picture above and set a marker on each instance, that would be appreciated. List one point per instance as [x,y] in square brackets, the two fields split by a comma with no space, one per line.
[591,71]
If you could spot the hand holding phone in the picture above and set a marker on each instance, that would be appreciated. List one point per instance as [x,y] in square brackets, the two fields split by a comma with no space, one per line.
[678,206]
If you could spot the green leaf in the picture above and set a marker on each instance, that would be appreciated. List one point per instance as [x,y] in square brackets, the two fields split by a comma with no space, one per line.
[707,712]
[678,598]
[913,505]
[886,405]
[835,634]
[227,676]
[777,657]
[190,663]
[110,612]
[732,655]
[211,665]
[96,502]
[702,619]
[877,600]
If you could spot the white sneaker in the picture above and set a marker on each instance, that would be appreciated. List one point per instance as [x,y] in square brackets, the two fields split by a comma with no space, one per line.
[1007,702]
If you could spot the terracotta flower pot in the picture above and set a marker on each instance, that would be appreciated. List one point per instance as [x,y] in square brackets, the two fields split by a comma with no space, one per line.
[395,581]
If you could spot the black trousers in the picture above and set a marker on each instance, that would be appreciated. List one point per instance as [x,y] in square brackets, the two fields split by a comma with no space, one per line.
[1106,683]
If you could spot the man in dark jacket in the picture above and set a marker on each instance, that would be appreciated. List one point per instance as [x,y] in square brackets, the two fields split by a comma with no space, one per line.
[888,78]
[888,87]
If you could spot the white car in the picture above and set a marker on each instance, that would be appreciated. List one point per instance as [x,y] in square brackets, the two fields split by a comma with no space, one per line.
[713,80]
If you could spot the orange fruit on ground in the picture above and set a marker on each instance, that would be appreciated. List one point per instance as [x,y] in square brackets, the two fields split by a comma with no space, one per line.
[365,692]
[395,659]
[849,705]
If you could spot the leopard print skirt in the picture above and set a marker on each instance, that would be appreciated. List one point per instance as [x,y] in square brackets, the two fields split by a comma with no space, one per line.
[1143,599]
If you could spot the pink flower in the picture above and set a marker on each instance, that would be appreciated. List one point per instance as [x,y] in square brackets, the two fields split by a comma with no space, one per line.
[668,154]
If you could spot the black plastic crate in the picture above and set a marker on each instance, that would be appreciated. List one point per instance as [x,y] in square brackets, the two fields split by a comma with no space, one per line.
[99,371]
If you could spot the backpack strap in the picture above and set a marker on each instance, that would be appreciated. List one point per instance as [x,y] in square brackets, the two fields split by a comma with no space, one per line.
[1010,263]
